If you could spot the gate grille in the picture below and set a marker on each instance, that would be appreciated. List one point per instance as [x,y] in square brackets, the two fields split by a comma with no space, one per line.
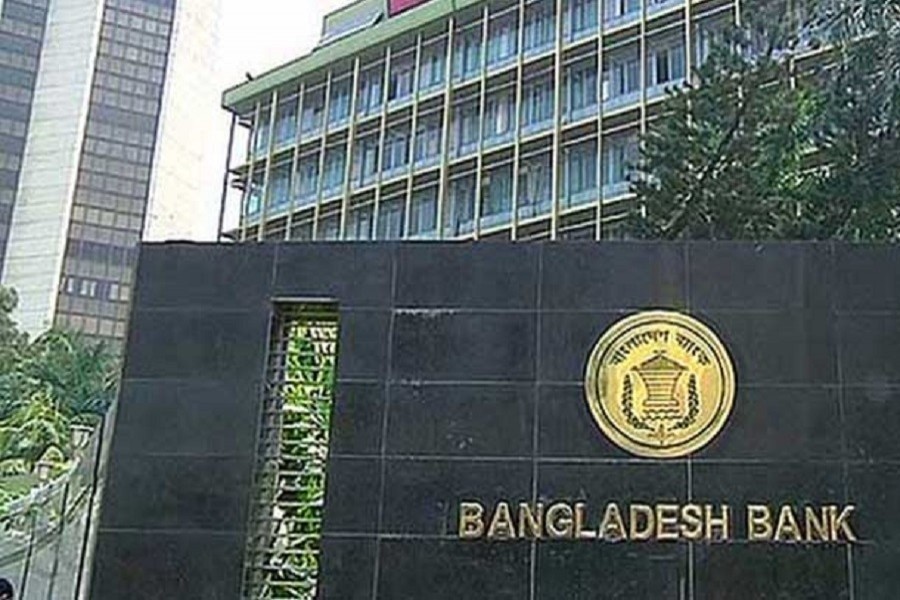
[285,531]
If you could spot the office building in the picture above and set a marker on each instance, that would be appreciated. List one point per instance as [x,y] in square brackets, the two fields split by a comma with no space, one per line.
[509,119]
[101,142]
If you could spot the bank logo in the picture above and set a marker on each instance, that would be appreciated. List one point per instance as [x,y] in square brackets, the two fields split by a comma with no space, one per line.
[660,384]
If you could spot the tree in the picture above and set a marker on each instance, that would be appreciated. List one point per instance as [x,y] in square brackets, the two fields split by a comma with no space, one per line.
[757,148]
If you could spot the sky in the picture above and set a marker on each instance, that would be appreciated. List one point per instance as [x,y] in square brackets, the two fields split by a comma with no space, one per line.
[255,36]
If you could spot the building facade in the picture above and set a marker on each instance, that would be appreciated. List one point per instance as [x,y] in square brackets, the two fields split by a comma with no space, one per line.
[509,119]
[105,153]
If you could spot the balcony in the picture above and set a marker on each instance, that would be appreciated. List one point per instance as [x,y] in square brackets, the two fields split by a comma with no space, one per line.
[395,171]
[616,21]
[662,89]
[538,126]
[616,190]
[621,101]
[579,198]
[496,220]
[425,162]
[530,210]
[490,141]
[655,7]
[465,149]
[578,114]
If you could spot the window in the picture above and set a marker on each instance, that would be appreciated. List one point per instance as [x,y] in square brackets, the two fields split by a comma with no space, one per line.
[365,161]
[333,177]
[313,109]
[580,18]
[369,97]
[622,78]
[286,122]
[540,25]
[465,129]
[502,40]
[620,10]
[459,211]
[261,132]
[496,194]
[390,219]
[339,108]
[396,152]
[433,65]
[428,140]
[359,224]
[580,90]
[534,186]
[498,117]
[665,65]
[280,186]
[580,173]
[401,82]
[467,53]
[423,212]
[307,177]
[330,228]
[619,154]
[537,104]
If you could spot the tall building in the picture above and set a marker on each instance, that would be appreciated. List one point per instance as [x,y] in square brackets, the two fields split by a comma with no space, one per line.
[507,119]
[100,140]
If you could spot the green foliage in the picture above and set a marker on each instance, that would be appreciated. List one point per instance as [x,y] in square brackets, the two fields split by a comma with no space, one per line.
[759,148]
[47,386]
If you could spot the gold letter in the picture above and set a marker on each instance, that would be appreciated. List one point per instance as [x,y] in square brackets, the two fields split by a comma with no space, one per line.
[723,523]
[531,524]
[692,522]
[502,527]
[787,529]
[635,512]
[666,522]
[580,532]
[559,521]
[841,524]
[759,523]
[471,522]
[816,527]
[612,528]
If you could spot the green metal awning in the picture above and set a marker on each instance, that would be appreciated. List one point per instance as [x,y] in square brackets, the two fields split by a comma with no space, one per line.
[241,98]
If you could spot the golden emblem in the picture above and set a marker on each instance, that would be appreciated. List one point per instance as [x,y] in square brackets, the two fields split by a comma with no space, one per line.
[660,384]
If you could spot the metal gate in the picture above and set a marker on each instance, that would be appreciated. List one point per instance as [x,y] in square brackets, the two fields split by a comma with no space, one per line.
[285,530]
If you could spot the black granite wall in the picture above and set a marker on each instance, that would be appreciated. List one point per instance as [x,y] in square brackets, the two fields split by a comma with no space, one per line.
[460,377]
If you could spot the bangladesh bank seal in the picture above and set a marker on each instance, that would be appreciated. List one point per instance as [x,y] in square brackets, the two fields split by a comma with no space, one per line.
[660,384]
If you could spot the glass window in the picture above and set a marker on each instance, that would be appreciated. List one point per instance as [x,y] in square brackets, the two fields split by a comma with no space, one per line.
[423,212]
[261,132]
[580,173]
[286,122]
[540,25]
[496,193]
[396,151]
[433,64]
[307,177]
[359,224]
[280,186]
[467,53]
[390,219]
[339,107]
[623,77]
[502,39]
[666,64]
[370,92]
[365,161]
[401,81]
[465,129]
[580,91]
[537,103]
[499,115]
[459,210]
[428,140]
[333,177]
[534,186]
[313,111]
[620,153]
[580,18]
